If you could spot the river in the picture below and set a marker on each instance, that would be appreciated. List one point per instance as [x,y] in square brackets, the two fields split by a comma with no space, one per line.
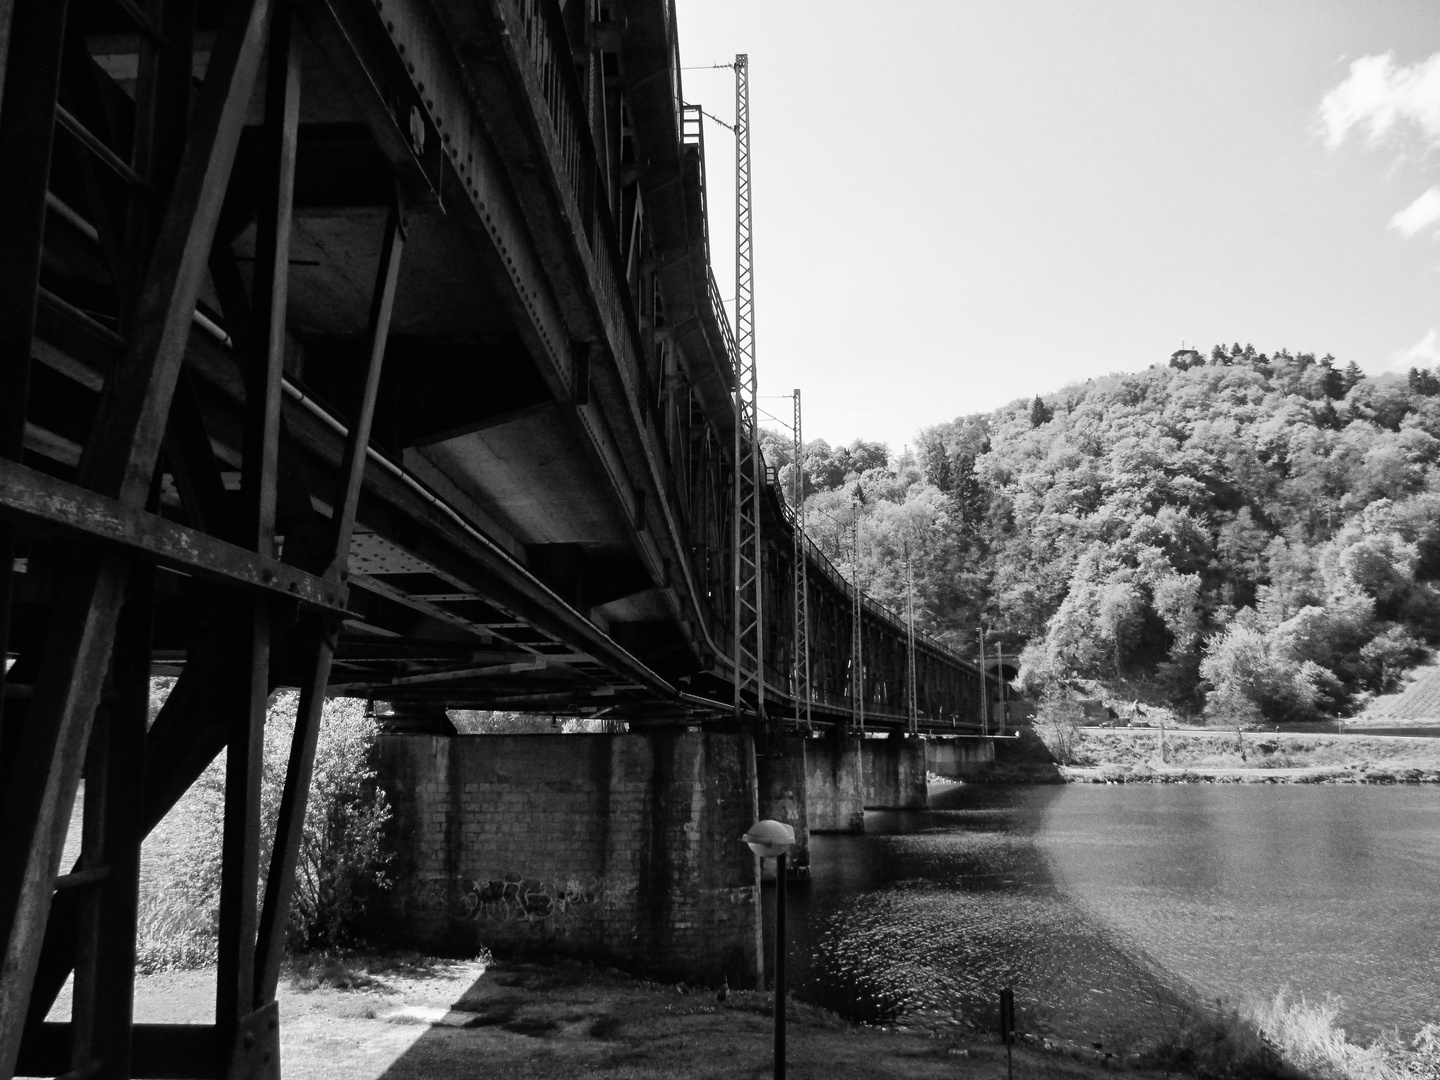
[1107,907]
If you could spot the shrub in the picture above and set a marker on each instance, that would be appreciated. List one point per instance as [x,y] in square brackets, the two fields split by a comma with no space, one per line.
[1058,724]
[341,863]
[1308,1039]
[1216,1045]
[1389,655]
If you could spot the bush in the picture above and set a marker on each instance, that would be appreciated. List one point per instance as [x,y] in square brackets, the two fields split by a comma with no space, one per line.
[1308,1039]
[1058,724]
[341,863]
[1217,1045]
[1389,655]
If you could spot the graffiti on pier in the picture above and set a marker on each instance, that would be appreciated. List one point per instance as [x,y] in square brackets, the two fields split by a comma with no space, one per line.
[513,898]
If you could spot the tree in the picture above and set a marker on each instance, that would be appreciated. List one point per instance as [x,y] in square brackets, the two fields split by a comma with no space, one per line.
[1040,413]
[1424,382]
[969,495]
[1332,382]
[938,471]
[1351,375]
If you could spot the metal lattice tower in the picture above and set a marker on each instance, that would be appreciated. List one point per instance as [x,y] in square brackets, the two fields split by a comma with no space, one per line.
[910,640]
[857,644]
[749,620]
[802,600]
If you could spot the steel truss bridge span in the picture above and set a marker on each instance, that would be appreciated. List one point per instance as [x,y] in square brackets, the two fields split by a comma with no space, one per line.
[366,347]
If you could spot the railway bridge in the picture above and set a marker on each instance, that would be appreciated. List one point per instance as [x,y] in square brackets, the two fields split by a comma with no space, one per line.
[372,348]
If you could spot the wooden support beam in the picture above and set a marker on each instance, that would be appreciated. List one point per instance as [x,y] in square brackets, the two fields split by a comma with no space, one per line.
[46,505]
[280,884]
[240,845]
[119,462]
[163,1051]
[235,988]
[129,713]
[28,121]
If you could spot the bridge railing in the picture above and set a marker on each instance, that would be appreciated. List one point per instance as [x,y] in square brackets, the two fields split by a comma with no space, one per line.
[547,47]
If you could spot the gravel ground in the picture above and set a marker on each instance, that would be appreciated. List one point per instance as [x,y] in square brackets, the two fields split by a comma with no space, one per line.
[416,1017]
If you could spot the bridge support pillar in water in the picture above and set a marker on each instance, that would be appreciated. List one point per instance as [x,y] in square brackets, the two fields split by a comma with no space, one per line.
[783,782]
[894,773]
[959,758]
[834,788]
[619,848]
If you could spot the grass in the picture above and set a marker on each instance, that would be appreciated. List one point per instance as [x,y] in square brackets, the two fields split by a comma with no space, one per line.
[173,934]
[1308,1039]
[398,1018]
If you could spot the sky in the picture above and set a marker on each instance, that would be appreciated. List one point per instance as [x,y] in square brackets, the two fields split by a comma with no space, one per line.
[962,203]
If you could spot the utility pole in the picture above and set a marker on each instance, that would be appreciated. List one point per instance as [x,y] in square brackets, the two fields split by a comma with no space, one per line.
[984,690]
[1000,656]
[802,601]
[749,615]
[857,646]
[910,638]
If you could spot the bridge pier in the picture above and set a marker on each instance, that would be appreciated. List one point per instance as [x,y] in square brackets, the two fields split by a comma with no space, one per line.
[959,758]
[834,787]
[894,773]
[619,848]
[783,785]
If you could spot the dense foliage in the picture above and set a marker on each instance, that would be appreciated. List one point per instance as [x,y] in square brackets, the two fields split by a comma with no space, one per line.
[1258,536]
[342,860]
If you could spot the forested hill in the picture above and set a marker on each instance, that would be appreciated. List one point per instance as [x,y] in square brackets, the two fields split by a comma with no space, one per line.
[1255,536]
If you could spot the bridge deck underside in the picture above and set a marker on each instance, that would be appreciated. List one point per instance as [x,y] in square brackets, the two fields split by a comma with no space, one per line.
[366,348]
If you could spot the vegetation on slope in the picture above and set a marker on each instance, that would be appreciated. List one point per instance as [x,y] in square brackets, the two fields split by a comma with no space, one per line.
[1256,536]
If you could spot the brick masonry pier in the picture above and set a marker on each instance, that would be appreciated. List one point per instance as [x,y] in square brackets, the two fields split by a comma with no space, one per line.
[894,774]
[959,758]
[834,791]
[783,783]
[618,848]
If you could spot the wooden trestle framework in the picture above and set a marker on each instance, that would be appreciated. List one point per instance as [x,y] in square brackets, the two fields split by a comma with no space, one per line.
[235,448]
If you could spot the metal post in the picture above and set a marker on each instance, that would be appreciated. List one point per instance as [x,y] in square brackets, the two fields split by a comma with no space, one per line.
[857,645]
[802,601]
[910,639]
[780,967]
[749,652]
[1000,656]
[984,690]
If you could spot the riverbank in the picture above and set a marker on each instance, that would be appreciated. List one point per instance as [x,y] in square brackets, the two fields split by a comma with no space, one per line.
[1127,755]
[400,1017]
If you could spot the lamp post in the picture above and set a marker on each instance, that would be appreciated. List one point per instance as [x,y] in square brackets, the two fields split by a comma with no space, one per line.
[773,840]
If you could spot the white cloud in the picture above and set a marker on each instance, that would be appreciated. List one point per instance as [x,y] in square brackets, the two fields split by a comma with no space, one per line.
[1419,215]
[1425,353]
[1378,97]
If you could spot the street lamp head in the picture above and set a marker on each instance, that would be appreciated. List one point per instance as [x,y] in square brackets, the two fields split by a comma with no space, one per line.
[770,839]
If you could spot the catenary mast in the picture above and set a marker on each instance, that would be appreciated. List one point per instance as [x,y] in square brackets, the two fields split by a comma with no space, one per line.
[749,614]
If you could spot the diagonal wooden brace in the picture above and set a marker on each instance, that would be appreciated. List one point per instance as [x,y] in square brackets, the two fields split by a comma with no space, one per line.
[118,462]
